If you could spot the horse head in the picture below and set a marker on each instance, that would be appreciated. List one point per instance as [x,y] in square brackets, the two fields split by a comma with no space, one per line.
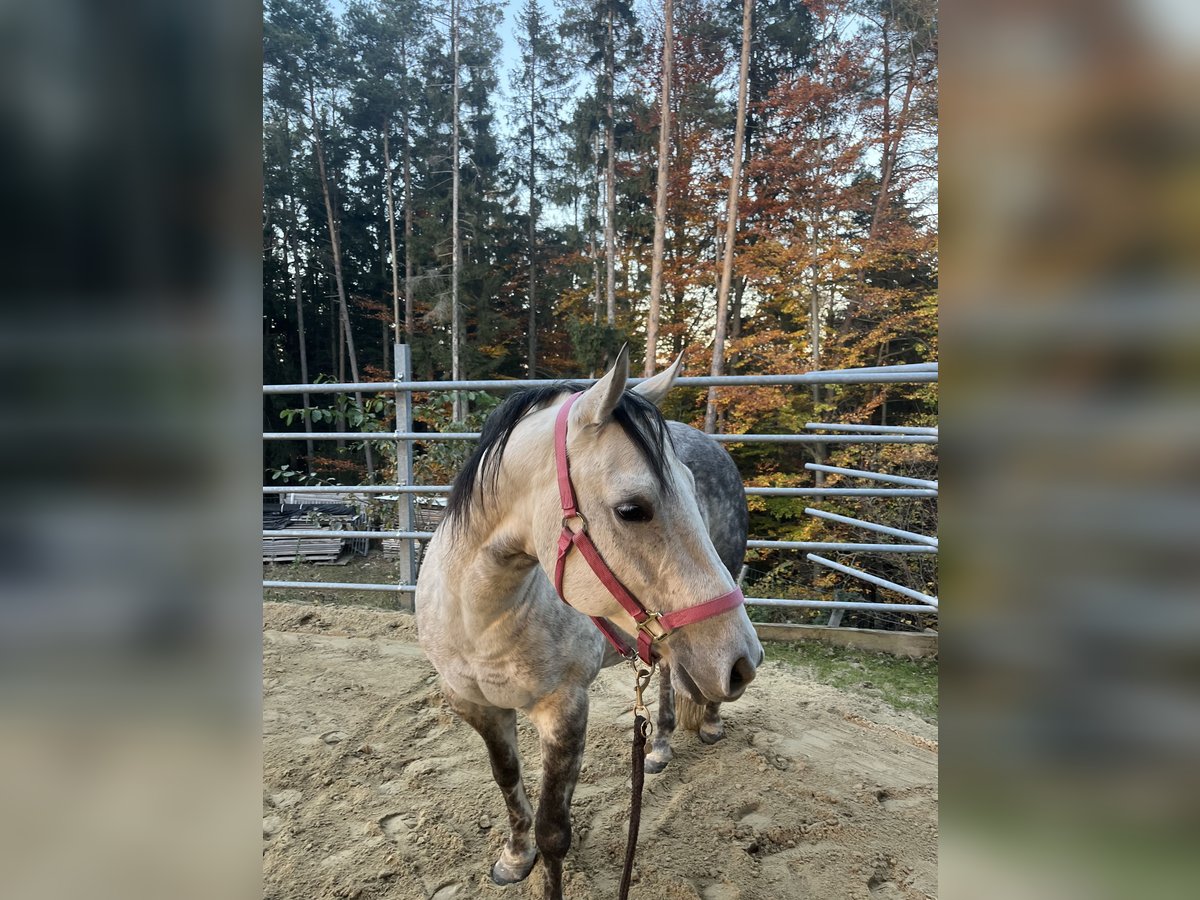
[638,504]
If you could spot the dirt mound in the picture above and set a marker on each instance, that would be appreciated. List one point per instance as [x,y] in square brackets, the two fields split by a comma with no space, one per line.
[374,788]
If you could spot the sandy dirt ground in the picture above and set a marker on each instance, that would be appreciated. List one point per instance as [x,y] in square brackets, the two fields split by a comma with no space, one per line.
[372,787]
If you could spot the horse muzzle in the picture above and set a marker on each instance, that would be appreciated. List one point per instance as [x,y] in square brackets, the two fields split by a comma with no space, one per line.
[713,678]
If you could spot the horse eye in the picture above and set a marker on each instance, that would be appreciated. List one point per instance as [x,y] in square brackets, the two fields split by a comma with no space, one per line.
[632,512]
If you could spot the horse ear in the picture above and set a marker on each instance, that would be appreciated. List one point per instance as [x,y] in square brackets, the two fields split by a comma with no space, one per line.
[597,403]
[655,389]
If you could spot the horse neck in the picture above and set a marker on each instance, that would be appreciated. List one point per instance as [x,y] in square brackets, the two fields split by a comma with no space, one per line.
[489,558]
[489,562]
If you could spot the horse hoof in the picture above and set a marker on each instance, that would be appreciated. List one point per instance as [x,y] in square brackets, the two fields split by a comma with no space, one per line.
[712,735]
[654,765]
[510,873]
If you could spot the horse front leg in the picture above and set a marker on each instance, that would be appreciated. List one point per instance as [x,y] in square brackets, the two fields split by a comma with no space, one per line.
[498,728]
[660,742]
[712,729]
[561,721]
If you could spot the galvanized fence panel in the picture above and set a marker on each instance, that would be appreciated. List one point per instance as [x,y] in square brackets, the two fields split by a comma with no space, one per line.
[404,490]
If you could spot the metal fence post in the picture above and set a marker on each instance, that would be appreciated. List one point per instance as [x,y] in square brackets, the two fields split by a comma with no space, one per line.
[407,570]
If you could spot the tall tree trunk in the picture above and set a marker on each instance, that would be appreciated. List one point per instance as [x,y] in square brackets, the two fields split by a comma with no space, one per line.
[814,302]
[610,235]
[341,374]
[408,207]
[308,444]
[296,287]
[735,318]
[893,132]
[660,200]
[533,211]
[814,317]
[596,264]
[391,215]
[886,136]
[335,247]
[455,259]
[735,183]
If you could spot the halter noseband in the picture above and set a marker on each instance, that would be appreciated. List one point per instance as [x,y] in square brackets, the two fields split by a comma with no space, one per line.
[652,627]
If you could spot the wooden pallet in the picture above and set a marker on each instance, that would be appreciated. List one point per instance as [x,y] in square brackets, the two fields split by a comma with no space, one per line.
[320,550]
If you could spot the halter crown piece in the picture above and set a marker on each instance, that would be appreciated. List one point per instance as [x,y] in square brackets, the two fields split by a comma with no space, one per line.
[652,627]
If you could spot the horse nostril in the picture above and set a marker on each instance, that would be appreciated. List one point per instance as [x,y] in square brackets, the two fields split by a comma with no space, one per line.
[740,675]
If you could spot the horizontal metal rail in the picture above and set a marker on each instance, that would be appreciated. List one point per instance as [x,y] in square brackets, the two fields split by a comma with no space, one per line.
[761,545]
[332,532]
[873,429]
[841,546]
[359,489]
[371,435]
[723,438]
[873,476]
[750,601]
[840,492]
[842,604]
[904,367]
[825,438]
[872,526]
[862,376]
[873,579]
[340,586]
[750,491]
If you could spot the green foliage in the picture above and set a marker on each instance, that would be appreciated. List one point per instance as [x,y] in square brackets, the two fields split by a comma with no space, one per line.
[376,413]
[288,475]
[439,461]
[593,343]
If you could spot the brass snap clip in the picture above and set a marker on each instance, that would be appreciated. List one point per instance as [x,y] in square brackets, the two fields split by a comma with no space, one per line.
[642,680]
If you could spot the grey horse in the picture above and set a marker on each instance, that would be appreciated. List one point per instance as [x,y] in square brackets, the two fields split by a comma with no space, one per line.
[502,640]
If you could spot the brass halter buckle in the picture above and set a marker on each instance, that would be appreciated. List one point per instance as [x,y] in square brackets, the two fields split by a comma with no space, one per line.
[653,627]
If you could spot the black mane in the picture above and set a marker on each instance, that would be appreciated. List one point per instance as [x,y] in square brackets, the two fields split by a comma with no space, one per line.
[637,416]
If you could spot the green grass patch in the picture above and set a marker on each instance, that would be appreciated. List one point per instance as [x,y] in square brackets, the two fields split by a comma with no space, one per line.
[906,684]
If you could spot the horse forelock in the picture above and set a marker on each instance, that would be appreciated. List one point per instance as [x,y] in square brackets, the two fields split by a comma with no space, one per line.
[638,418]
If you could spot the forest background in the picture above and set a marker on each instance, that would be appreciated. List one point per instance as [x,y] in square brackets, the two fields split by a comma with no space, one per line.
[496,205]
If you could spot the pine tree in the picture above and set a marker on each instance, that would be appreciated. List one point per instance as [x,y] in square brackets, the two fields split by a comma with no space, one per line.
[660,196]
[540,88]
[301,43]
[735,188]
[606,31]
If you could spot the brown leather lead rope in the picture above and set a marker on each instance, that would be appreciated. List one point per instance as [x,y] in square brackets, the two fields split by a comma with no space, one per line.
[640,727]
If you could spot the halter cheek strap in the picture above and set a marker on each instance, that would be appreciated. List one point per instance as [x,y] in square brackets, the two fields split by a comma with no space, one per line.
[651,627]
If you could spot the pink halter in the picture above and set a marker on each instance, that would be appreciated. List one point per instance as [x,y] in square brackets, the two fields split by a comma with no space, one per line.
[652,627]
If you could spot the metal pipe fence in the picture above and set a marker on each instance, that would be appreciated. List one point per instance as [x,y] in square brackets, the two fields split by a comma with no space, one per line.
[754,544]
[403,492]
[884,375]
[872,429]
[874,579]
[723,438]
[873,526]
[751,491]
[873,476]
